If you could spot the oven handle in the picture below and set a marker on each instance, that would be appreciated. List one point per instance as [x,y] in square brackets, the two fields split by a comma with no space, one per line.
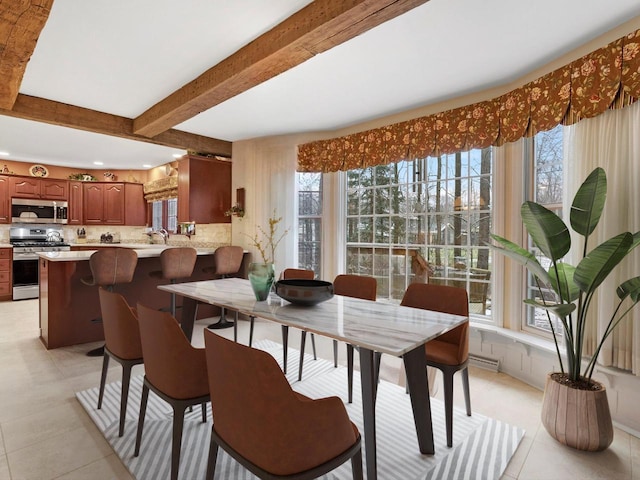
[24,256]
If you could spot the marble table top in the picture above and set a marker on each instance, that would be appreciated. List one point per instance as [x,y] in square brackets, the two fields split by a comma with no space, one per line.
[379,326]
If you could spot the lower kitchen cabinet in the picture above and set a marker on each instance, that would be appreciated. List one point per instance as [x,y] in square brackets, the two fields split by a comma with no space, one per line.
[6,258]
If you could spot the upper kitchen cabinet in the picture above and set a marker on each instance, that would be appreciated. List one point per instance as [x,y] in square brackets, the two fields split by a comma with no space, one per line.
[74,213]
[204,190]
[44,188]
[5,201]
[112,204]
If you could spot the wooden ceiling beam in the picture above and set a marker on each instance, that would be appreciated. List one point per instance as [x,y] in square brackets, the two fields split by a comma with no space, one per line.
[318,27]
[56,113]
[21,22]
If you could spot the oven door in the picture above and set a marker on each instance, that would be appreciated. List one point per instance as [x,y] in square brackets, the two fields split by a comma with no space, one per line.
[25,276]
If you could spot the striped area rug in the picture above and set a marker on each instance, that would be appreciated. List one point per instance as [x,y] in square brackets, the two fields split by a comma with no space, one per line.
[482,446]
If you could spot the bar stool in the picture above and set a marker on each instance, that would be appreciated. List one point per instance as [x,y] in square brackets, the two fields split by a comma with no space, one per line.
[110,267]
[226,263]
[177,263]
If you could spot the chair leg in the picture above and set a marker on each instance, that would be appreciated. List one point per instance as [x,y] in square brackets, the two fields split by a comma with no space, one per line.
[335,354]
[465,388]
[124,396]
[303,338]
[103,378]
[356,465]
[235,327]
[204,412]
[143,411]
[285,346]
[172,304]
[350,371]
[313,346]
[176,440]
[251,321]
[447,378]
[211,463]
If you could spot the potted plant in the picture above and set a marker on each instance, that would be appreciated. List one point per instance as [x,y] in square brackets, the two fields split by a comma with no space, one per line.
[575,409]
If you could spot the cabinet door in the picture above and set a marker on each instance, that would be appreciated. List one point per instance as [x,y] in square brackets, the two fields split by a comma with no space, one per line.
[24,187]
[135,213]
[5,200]
[74,214]
[6,290]
[52,189]
[114,203]
[92,203]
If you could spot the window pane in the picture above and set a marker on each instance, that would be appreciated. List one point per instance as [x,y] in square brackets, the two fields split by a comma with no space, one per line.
[310,221]
[430,221]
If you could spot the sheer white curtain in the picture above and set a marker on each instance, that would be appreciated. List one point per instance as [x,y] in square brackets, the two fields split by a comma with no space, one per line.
[611,141]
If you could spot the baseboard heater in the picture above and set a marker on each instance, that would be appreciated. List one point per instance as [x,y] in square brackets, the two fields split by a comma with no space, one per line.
[484,362]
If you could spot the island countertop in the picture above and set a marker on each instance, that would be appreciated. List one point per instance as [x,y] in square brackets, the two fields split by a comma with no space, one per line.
[145,252]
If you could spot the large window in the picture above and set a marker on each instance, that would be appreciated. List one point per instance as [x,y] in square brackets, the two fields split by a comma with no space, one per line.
[310,221]
[424,220]
[546,175]
[164,214]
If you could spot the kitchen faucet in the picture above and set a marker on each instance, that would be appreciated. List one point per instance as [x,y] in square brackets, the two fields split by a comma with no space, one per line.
[162,232]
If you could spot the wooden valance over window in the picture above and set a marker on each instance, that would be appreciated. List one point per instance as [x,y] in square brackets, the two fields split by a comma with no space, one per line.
[606,78]
[162,189]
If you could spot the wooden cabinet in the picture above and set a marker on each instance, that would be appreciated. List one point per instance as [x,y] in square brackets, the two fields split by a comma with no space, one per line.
[43,188]
[5,200]
[54,189]
[6,259]
[204,190]
[103,203]
[24,187]
[135,210]
[109,203]
[74,213]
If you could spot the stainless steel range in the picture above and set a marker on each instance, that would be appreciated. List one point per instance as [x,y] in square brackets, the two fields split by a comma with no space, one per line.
[27,241]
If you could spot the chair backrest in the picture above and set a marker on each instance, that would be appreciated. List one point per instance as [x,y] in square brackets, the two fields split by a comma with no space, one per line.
[121,331]
[356,286]
[111,266]
[258,414]
[445,299]
[171,364]
[295,273]
[227,260]
[178,262]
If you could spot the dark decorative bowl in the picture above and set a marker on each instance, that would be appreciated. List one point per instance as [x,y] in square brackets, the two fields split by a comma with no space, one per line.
[304,292]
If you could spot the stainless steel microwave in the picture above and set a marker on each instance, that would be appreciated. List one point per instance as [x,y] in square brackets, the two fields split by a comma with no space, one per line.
[26,210]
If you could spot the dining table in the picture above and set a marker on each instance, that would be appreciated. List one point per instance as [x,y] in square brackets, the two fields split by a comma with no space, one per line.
[372,326]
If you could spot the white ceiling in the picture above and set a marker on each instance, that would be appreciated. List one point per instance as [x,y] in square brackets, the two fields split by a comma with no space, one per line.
[121,57]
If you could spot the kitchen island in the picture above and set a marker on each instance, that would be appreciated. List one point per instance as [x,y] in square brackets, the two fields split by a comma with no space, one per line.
[70,310]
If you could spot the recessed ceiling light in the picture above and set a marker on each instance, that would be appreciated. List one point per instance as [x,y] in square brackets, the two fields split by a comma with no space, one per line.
[146,166]
[98,163]
[4,154]
[178,155]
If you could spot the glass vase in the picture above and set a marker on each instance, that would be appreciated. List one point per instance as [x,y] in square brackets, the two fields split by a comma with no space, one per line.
[261,276]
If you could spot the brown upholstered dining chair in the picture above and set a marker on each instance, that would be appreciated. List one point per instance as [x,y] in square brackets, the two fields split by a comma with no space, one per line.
[110,267]
[271,430]
[174,370]
[355,286]
[226,263]
[122,343]
[176,263]
[448,352]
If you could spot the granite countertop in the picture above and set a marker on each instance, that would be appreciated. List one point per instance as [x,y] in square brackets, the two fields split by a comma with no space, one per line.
[146,251]
[5,245]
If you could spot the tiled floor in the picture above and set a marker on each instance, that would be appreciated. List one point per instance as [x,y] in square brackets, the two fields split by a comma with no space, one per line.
[45,433]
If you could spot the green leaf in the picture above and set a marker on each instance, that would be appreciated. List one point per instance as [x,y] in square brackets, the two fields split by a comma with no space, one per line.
[522,256]
[588,203]
[630,288]
[548,232]
[561,310]
[596,266]
[565,286]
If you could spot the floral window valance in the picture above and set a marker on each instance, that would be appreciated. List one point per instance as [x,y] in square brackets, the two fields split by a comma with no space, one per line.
[606,78]
[162,189]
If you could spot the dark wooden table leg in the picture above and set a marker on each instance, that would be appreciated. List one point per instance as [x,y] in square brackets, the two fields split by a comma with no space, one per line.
[369,411]
[188,316]
[415,364]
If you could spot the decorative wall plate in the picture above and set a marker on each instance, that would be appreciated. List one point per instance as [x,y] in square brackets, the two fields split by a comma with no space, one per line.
[38,171]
